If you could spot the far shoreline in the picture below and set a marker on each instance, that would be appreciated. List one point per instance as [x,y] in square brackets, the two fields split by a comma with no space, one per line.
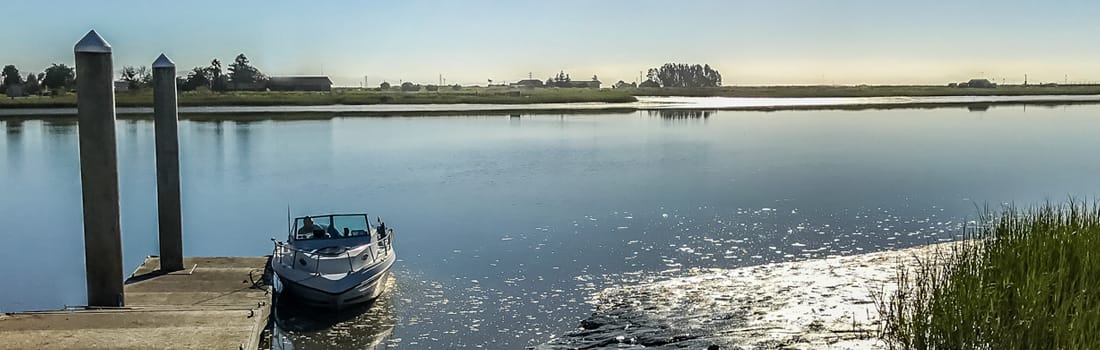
[653,104]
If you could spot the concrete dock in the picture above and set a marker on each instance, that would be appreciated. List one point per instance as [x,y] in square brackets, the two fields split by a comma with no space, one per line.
[213,303]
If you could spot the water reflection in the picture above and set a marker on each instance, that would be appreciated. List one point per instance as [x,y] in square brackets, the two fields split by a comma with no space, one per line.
[365,326]
[242,132]
[59,127]
[681,114]
[978,107]
[13,138]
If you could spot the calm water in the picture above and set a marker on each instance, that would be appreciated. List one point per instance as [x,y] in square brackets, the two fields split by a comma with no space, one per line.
[506,225]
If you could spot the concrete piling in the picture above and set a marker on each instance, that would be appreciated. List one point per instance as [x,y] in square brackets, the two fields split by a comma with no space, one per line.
[168,165]
[95,104]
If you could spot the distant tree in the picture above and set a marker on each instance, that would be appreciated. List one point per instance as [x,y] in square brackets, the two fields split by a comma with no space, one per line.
[242,73]
[384,86]
[31,86]
[595,78]
[560,80]
[407,86]
[136,78]
[59,77]
[431,88]
[622,85]
[685,75]
[129,75]
[456,87]
[649,84]
[11,76]
[12,84]
[145,76]
[219,82]
[198,76]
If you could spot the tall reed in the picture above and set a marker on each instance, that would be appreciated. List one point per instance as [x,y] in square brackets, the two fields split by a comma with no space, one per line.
[1022,279]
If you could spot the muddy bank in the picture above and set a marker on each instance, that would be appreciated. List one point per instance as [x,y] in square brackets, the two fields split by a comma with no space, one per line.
[813,304]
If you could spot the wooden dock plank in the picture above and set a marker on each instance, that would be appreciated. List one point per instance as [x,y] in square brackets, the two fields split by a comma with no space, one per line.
[217,305]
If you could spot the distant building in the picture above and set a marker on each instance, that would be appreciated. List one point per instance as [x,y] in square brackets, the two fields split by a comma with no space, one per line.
[300,83]
[981,83]
[562,80]
[256,86]
[591,84]
[978,84]
[122,85]
[532,83]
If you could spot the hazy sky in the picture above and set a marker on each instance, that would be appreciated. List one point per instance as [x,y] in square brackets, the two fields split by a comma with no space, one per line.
[750,42]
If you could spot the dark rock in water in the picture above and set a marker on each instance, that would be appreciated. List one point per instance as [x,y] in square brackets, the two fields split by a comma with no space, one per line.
[636,318]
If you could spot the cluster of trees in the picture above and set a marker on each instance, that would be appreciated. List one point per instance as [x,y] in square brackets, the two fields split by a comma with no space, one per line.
[55,79]
[407,86]
[136,78]
[683,76]
[241,76]
[563,80]
[58,78]
[560,79]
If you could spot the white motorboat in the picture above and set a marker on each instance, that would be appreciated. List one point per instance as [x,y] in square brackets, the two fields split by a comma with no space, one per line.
[334,260]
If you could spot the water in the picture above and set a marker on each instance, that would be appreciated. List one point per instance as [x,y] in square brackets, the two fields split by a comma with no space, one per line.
[505,226]
[647,103]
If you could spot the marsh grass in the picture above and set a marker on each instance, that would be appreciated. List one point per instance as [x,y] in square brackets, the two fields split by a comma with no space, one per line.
[1025,279]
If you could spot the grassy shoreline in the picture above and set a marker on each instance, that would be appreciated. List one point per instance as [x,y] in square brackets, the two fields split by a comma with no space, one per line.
[1026,279]
[144,98]
[513,96]
[866,91]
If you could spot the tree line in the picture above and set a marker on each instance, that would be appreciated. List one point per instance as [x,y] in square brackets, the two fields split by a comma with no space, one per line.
[680,75]
[55,79]
[240,75]
[60,78]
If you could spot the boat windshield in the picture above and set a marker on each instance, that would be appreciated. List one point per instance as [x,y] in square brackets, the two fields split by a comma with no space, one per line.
[330,226]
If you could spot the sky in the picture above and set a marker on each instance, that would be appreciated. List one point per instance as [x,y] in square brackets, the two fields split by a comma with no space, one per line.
[468,42]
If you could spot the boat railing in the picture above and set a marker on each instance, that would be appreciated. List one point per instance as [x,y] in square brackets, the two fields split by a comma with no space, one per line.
[384,245]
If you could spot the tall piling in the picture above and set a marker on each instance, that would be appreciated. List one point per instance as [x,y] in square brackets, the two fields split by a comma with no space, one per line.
[168,164]
[95,105]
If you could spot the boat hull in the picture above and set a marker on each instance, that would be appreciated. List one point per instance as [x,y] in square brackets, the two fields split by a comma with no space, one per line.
[363,292]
